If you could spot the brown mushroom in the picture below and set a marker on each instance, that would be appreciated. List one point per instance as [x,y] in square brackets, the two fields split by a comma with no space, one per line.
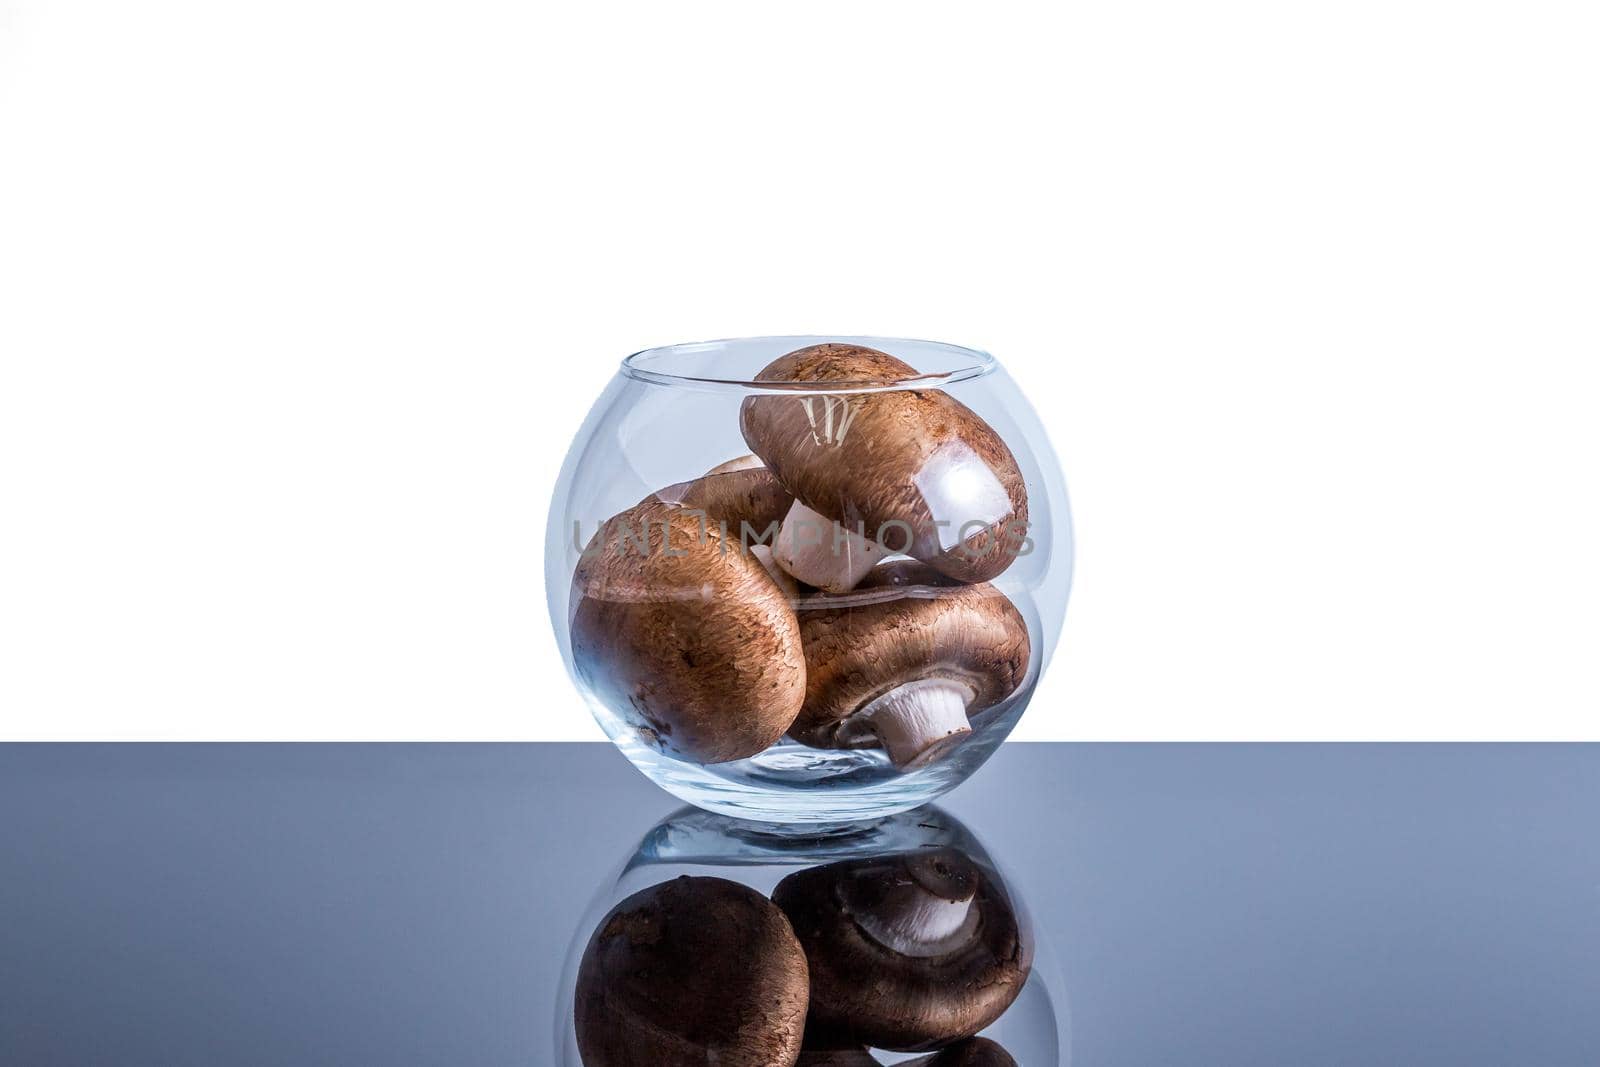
[690,972]
[741,498]
[976,1052]
[883,471]
[746,504]
[686,637]
[909,952]
[904,661]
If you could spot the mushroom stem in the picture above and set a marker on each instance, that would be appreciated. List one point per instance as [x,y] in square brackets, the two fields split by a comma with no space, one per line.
[820,552]
[917,720]
[912,921]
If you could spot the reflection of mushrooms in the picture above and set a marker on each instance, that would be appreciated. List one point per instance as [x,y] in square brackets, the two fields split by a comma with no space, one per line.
[842,1057]
[692,971]
[907,952]
[978,1052]
[904,470]
[822,1049]
[904,660]
[687,637]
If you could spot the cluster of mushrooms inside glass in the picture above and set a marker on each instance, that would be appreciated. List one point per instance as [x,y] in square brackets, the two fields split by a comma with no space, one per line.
[833,585]
[916,952]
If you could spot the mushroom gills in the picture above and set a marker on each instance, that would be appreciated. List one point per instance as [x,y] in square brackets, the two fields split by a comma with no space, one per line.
[820,552]
[914,721]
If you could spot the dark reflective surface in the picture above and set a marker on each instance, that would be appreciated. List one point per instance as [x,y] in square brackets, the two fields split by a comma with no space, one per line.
[413,905]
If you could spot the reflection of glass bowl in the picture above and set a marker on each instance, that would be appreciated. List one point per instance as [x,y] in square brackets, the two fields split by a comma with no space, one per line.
[909,910]
[808,580]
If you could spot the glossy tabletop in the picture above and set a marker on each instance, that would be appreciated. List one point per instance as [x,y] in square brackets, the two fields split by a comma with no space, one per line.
[413,904]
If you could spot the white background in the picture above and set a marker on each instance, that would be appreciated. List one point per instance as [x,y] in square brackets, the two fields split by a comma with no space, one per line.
[302,302]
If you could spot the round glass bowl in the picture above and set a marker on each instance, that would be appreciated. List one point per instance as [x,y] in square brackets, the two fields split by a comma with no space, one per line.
[897,941]
[809,579]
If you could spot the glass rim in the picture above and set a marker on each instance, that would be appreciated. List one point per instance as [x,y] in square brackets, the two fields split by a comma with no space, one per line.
[970,363]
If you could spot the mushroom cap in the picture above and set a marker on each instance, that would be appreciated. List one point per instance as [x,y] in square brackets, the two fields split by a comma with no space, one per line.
[871,994]
[976,1052]
[904,622]
[690,972]
[734,495]
[686,636]
[913,456]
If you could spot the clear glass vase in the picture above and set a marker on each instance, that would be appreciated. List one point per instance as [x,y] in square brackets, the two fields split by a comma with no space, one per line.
[809,579]
[893,941]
